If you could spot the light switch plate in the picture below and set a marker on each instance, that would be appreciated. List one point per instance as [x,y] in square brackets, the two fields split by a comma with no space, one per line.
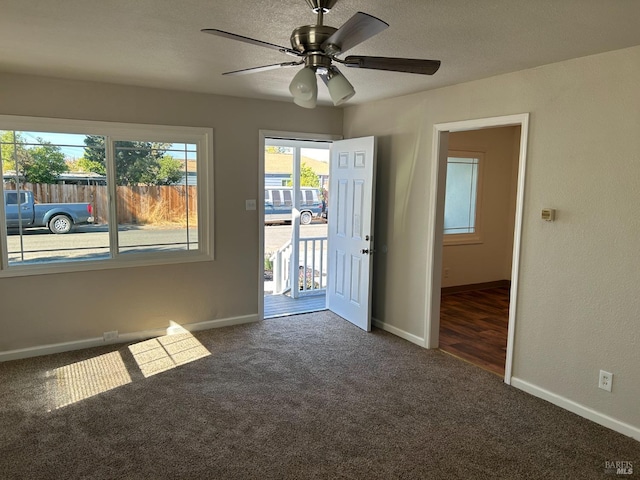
[250,205]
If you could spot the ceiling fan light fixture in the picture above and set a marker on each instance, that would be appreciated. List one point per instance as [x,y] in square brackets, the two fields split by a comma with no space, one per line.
[305,103]
[304,88]
[339,87]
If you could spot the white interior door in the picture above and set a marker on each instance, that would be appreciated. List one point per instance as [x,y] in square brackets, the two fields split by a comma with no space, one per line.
[351,213]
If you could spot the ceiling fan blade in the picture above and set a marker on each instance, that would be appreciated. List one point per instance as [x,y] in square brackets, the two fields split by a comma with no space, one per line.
[264,68]
[408,65]
[356,30]
[252,41]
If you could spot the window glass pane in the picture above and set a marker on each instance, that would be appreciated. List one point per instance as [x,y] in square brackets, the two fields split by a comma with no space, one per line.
[12,198]
[461,195]
[63,213]
[286,194]
[156,196]
[308,195]
[275,195]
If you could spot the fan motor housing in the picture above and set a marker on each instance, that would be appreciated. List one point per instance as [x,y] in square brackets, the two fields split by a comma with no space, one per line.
[324,5]
[310,38]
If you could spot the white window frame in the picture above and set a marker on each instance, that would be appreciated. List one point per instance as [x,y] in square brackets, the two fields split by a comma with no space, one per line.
[476,237]
[202,137]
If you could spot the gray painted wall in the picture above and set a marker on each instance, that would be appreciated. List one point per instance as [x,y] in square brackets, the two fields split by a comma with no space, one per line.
[578,304]
[147,298]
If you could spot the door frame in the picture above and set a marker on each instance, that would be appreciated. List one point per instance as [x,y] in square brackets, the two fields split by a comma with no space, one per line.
[435,225]
[263,135]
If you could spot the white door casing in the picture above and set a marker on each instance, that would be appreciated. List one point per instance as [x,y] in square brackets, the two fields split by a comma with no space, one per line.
[436,224]
[351,215]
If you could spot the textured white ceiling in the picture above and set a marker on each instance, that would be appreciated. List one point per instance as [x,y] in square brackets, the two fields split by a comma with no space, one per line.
[158,43]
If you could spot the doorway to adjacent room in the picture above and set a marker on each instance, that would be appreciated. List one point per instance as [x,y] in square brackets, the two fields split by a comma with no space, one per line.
[478,185]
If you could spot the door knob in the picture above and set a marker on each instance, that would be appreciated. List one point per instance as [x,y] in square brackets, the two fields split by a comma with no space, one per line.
[366,251]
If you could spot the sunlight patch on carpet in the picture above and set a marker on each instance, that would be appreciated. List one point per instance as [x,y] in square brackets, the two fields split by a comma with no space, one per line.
[164,353]
[79,381]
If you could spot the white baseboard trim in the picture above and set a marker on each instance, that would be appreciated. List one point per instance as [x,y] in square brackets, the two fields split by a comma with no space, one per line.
[50,349]
[578,409]
[222,322]
[123,338]
[397,331]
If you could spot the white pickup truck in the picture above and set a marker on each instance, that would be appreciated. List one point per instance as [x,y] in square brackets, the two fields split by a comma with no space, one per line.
[58,217]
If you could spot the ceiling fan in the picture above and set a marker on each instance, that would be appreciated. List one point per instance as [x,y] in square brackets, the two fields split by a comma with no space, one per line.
[318,47]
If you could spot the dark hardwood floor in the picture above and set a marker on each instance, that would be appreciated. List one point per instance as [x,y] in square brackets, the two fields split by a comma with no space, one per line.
[473,326]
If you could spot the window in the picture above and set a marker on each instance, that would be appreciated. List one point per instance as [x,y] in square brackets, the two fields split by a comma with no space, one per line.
[308,197]
[12,198]
[275,195]
[462,198]
[148,200]
[287,197]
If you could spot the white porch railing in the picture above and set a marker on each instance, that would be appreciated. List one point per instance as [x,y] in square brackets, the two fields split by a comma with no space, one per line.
[313,265]
[281,260]
[312,268]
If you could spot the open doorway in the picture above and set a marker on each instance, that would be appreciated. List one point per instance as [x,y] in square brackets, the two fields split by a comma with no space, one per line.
[477,250]
[294,226]
[470,151]
[337,265]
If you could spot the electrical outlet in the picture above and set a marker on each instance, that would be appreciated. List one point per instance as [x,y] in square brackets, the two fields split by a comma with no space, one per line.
[605,380]
[110,336]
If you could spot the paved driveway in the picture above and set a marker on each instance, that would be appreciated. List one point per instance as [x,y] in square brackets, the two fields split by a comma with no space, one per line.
[276,236]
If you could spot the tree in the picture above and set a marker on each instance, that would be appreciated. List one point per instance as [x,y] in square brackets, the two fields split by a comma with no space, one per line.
[308,178]
[170,171]
[86,165]
[41,164]
[94,153]
[9,148]
[137,163]
[44,164]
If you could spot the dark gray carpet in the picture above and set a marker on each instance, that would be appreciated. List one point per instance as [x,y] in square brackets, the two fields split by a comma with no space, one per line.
[303,397]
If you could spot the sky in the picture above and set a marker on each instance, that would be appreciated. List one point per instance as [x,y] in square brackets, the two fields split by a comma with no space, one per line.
[72,145]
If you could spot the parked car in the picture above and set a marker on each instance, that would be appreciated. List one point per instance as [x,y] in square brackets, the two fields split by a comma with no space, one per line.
[325,205]
[58,217]
[278,202]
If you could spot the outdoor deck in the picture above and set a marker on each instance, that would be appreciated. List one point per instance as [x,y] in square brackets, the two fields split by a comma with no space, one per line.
[282,305]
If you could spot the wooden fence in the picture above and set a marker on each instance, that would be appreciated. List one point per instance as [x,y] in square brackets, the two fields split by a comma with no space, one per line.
[135,204]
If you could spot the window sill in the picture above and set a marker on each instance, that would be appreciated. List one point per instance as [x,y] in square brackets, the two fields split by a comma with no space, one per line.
[107,264]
